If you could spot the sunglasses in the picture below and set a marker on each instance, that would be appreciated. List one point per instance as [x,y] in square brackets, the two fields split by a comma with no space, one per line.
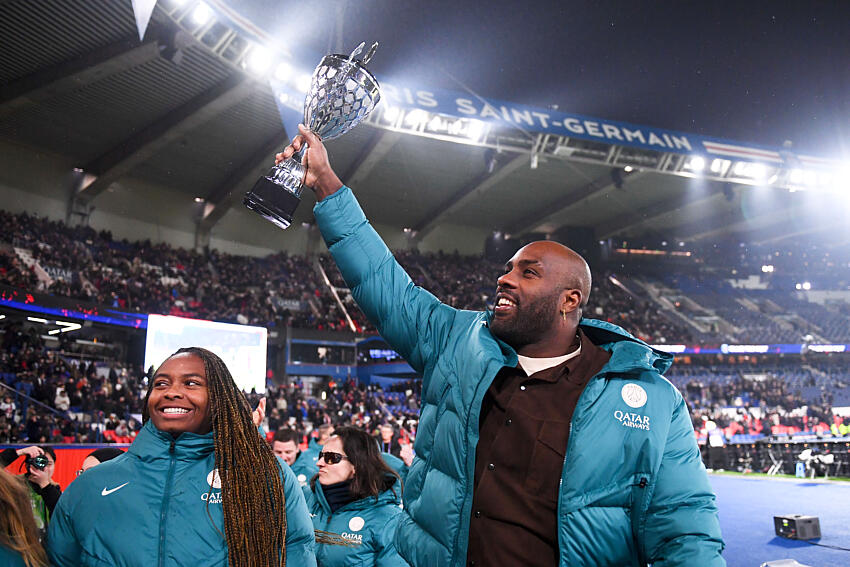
[331,458]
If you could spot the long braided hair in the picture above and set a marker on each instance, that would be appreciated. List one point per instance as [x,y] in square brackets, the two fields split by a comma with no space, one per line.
[17,524]
[251,485]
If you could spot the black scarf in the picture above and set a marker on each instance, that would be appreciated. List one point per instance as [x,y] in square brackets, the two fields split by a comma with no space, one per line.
[338,495]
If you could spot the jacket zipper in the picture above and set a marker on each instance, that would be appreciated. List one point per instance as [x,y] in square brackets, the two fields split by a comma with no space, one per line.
[164,510]
[566,458]
[636,512]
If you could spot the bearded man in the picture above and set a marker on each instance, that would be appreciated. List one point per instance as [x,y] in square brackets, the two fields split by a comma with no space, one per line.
[545,438]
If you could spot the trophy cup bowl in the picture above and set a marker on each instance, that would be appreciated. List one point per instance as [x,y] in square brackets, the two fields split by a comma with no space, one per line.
[342,93]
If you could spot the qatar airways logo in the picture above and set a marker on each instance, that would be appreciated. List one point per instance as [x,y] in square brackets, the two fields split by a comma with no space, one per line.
[634,420]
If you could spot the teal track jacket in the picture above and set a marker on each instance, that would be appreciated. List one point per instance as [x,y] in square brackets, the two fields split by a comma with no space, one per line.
[160,506]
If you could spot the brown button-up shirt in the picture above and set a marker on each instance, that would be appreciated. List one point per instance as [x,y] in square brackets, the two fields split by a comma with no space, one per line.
[524,430]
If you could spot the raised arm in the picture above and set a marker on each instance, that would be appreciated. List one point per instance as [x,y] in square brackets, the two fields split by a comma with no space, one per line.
[410,319]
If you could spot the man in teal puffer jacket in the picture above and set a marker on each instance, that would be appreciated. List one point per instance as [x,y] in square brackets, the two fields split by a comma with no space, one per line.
[618,480]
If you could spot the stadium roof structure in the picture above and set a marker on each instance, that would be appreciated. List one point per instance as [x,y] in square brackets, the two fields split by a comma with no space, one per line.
[185,110]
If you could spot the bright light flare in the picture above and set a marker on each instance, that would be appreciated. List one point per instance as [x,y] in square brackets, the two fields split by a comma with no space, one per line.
[758,171]
[475,129]
[259,60]
[303,83]
[416,117]
[391,113]
[202,14]
[282,71]
[696,164]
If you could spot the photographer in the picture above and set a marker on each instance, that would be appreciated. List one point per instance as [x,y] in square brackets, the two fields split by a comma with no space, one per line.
[44,493]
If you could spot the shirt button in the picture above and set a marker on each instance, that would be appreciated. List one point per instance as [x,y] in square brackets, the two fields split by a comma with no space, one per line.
[491,467]
[477,513]
[508,421]
[522,388]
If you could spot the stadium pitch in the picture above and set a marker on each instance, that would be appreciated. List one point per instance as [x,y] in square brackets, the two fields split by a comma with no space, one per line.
[747,506]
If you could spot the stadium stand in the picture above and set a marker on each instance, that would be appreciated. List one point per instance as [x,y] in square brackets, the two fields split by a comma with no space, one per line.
[68,394]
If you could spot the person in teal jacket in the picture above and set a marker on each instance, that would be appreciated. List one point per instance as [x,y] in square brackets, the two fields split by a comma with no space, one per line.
[632,488]
[197,486]
[354,502]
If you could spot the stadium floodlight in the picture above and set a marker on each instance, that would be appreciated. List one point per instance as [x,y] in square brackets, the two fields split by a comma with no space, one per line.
[767,269]
[201,14]
[259,60]
[628,169]
[391,113]
[282,71]
[436,124]
[720,166]
[475,129]
[199,199]
[810,178]
[303,83]
[416,117]
[696,164]
[807,285]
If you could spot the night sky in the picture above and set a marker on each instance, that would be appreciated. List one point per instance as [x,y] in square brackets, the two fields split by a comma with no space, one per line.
[760,72]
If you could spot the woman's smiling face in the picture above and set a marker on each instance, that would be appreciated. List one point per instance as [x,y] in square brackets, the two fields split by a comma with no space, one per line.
[179,401]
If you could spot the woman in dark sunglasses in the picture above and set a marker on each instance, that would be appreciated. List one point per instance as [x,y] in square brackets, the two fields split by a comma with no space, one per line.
[354,500]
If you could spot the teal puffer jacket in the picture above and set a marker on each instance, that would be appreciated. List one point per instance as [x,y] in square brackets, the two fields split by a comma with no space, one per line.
[633,488]
[160,504]
[359,533]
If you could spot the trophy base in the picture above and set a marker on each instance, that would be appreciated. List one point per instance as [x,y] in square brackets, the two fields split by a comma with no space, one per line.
[272,202]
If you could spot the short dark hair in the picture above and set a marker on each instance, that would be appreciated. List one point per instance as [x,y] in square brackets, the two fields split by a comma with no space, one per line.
[373,475]
[49,451]
[286,435]
[105,454]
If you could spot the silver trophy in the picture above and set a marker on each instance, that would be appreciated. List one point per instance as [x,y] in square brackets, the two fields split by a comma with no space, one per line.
[342,94]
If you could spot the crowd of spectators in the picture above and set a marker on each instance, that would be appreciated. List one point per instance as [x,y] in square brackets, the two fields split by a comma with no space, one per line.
[56,395]
[749,396]
[50,396]
[280,289]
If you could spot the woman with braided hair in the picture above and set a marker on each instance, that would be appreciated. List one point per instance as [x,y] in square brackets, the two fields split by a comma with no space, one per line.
[198,486]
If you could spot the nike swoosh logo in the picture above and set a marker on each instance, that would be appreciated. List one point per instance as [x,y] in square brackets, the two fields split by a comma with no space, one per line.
[106,492]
